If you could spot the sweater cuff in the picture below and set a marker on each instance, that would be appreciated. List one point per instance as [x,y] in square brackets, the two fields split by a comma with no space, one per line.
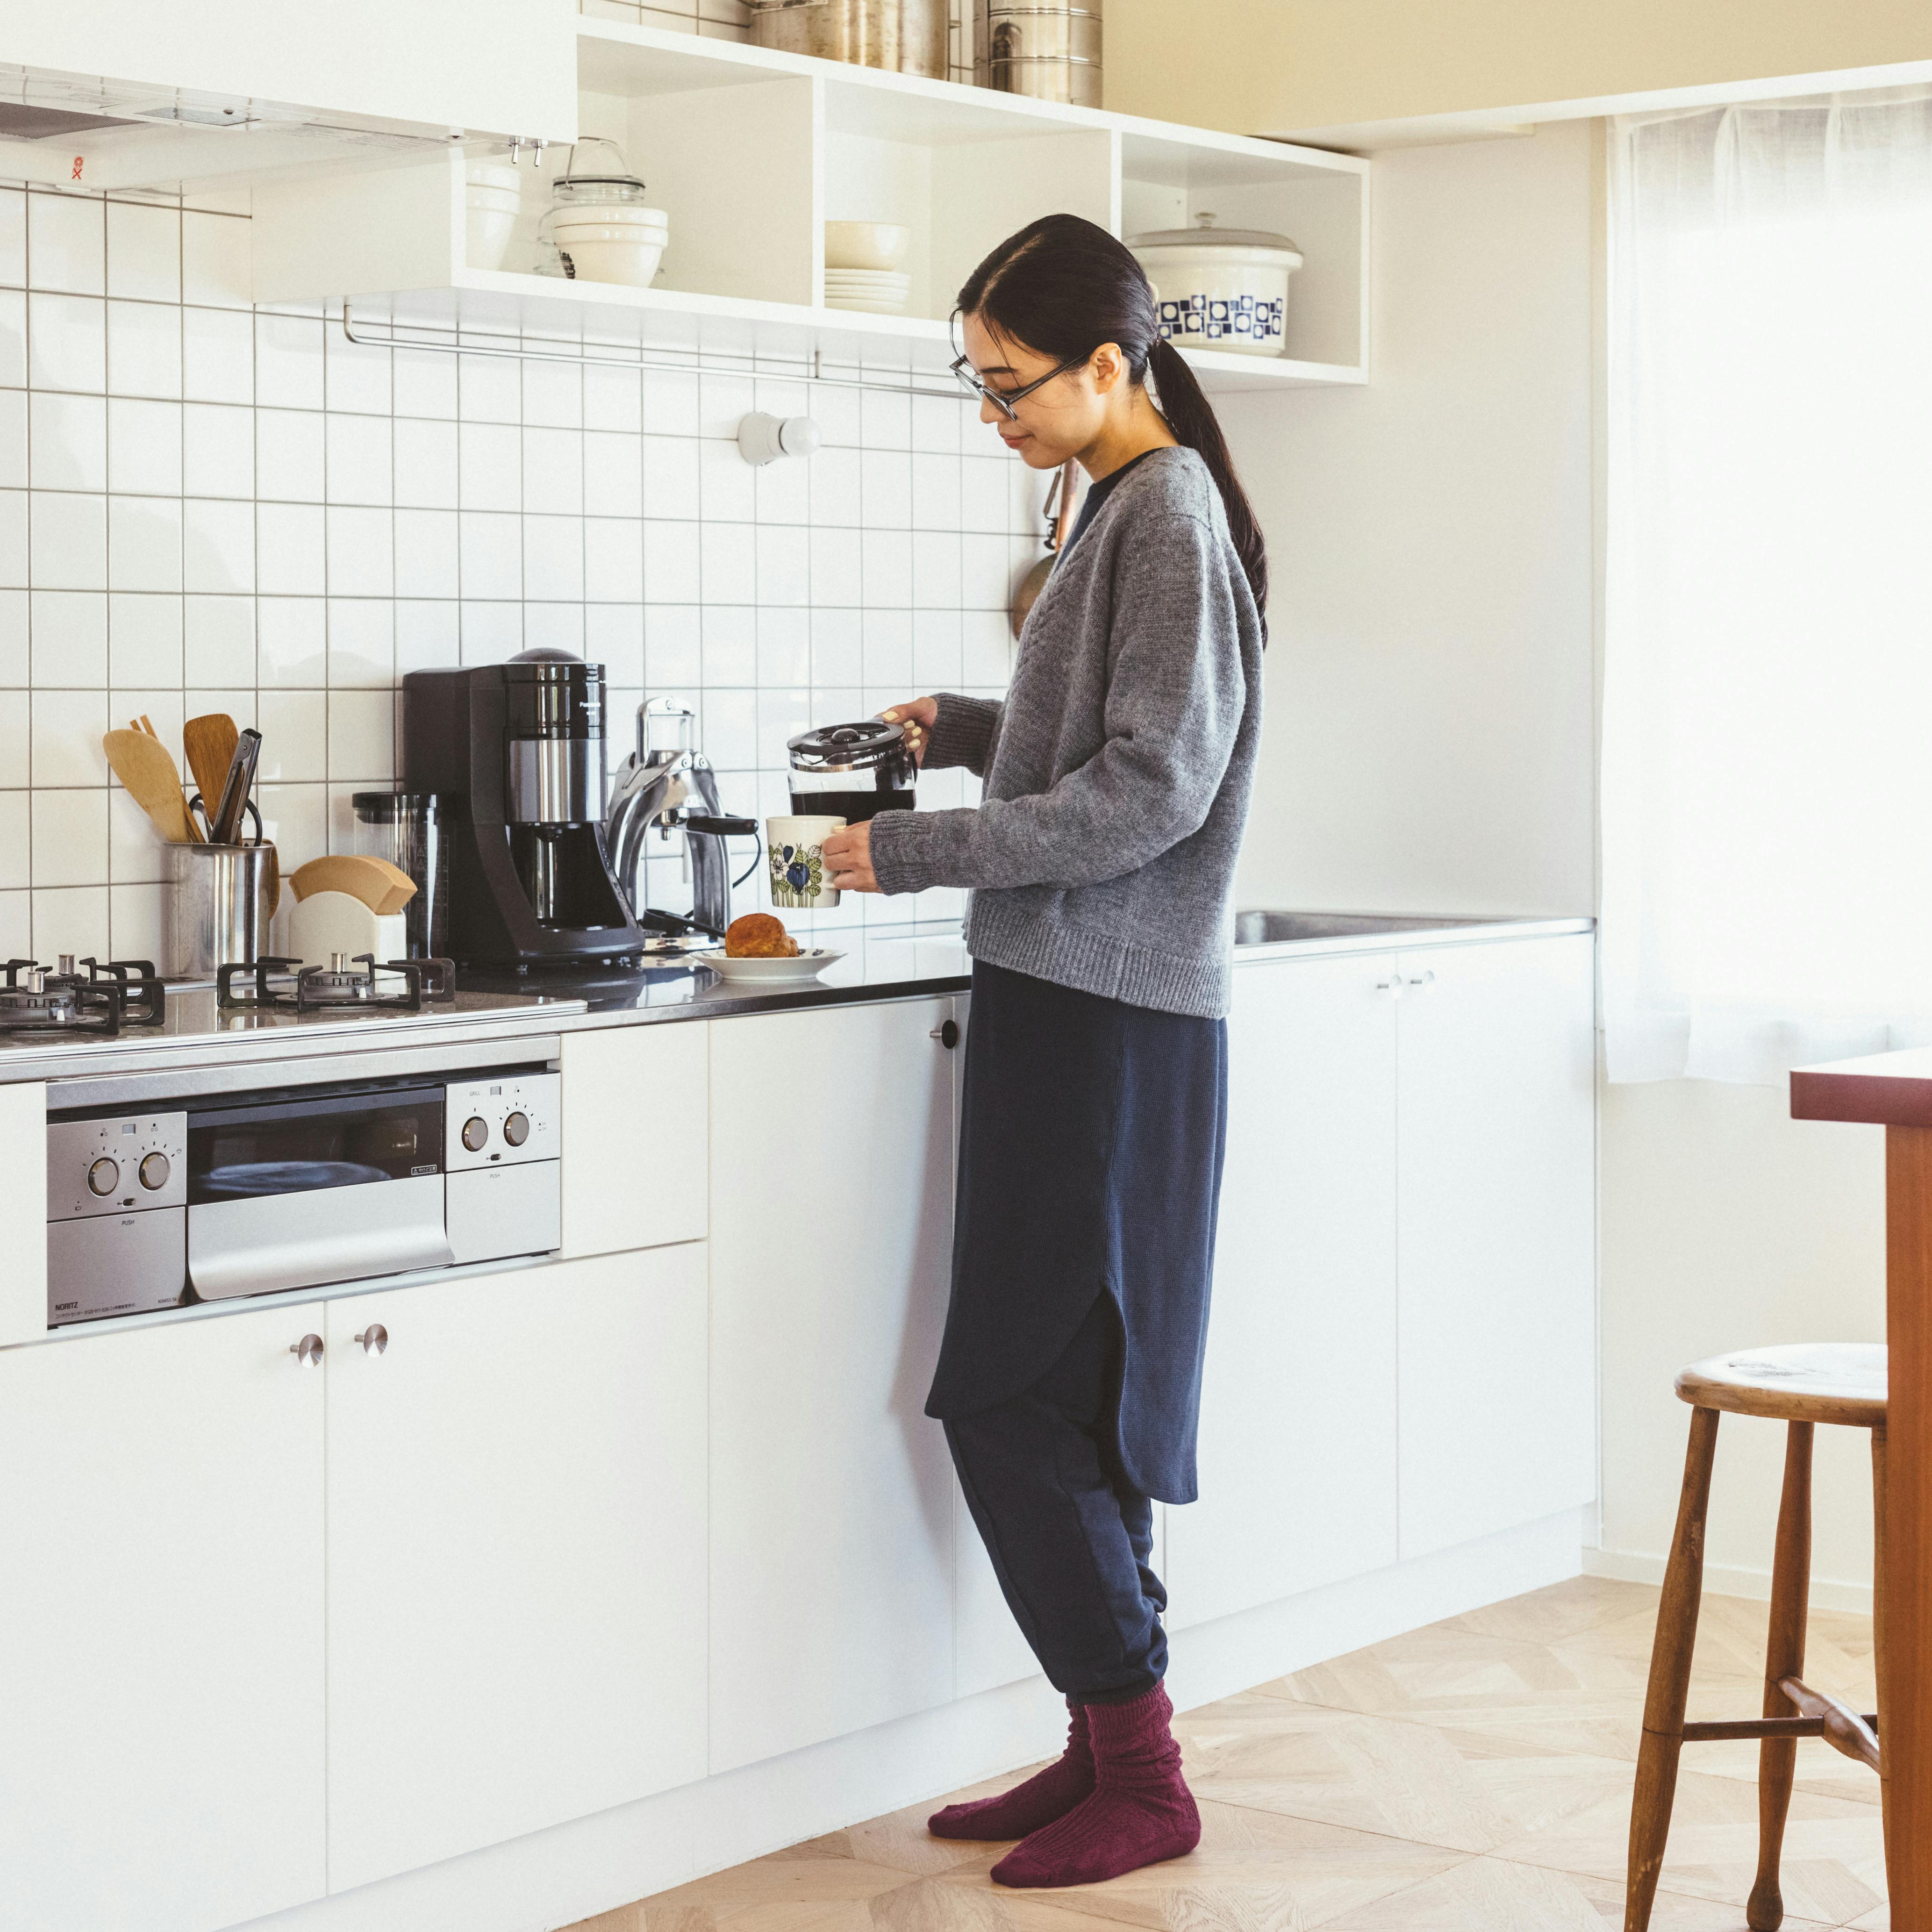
[962,733]
[902,853]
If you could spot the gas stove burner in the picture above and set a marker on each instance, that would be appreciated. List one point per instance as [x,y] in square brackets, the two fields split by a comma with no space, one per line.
[287,986]
[85,996]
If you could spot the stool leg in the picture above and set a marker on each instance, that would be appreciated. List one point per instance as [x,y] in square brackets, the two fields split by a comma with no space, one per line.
[1783,1657]
[1670,1676]
[1878,1622]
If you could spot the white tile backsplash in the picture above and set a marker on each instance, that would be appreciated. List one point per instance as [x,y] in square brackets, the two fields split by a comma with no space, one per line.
[205,507]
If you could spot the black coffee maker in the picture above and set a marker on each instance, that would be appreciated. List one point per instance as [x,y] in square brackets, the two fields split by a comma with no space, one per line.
[515,752]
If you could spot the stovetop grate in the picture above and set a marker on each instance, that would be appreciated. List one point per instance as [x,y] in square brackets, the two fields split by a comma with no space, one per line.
[80,996]
[273,984]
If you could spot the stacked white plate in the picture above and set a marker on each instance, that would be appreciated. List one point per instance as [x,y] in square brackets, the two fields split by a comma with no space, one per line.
[872,291]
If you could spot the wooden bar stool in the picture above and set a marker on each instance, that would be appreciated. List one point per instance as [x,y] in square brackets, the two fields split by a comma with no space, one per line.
[1839,1383]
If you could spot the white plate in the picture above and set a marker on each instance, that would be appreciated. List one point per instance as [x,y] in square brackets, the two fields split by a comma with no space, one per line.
[865,307]
[812,961]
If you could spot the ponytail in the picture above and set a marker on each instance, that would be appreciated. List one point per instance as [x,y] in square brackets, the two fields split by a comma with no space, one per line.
[1063,285]
[1192,418]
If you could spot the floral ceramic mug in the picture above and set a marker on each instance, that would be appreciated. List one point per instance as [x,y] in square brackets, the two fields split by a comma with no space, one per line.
[796,849]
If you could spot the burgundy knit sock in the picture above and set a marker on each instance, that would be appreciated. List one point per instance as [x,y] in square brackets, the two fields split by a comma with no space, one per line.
[1046,1795]
[1140,1811]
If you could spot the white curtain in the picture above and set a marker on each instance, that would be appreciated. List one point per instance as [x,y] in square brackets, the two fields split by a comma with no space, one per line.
[1767,778]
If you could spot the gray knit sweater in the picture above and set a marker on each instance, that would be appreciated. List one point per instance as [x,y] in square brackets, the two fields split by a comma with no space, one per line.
[1117,767]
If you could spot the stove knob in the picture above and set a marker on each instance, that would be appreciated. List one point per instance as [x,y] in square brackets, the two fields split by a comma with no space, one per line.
[104,1176]
[475,1132]
[154,1172]
[517,1129]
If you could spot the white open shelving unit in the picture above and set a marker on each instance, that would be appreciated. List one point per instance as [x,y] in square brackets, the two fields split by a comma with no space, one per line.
[750,151]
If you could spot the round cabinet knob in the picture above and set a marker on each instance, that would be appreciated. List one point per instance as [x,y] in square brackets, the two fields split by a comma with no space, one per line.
[374,1339]
[308,1350]
[104,1176]
[475,1132]
[155,1168]
[947,1034]
[517,1129]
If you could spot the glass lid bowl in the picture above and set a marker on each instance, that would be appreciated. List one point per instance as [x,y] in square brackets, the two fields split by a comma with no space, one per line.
[596,174]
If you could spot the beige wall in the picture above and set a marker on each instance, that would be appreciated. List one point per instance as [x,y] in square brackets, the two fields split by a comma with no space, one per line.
[1269,66]
[1430,745]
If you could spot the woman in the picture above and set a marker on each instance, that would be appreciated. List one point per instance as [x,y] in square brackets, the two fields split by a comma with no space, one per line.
[1117,772]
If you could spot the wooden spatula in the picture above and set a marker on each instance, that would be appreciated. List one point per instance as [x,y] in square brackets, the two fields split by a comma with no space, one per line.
[210,744]
[142,763]
[383,888]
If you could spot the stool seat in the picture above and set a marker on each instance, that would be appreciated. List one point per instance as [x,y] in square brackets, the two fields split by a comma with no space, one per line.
[1838,1382]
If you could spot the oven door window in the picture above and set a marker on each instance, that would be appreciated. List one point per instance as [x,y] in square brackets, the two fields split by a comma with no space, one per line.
[237,1153]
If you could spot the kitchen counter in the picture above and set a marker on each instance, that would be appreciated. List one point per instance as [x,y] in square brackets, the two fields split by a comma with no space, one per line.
[879,963]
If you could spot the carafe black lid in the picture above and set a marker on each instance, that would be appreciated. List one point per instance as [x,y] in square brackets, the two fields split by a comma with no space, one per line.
[848,747]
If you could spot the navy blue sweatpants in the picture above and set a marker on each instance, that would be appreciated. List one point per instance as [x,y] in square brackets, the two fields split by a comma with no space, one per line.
[1070,1536]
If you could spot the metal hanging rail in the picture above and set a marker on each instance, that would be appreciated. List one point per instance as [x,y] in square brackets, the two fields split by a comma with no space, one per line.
[692,362]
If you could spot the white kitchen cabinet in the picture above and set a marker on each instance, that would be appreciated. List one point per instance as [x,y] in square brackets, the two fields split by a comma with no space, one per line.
[831,1529]
[634,1102]
[1497,1250]
[504,67]
[1298,1432]
[517,1565]
[161,1666]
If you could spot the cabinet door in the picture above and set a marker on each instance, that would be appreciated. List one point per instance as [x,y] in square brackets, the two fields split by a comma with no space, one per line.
[516,1564]
[161,1682]
[1497,1183]
[1298,1406]
[634,1151]
[831,1490]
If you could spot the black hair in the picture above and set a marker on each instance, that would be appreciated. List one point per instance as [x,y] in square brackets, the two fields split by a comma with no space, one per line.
[1063,286]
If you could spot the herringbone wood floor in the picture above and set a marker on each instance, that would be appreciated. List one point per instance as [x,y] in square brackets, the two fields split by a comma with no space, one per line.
[1471,1777]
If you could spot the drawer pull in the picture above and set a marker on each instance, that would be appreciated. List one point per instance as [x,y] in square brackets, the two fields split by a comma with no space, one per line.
[308,1349]
[374,1339]
[947,1035]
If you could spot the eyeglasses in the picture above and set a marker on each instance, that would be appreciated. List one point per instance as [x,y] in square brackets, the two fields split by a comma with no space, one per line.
[1005,399]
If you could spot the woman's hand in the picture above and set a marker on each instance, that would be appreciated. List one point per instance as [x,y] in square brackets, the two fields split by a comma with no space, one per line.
[848,856]
[919,716]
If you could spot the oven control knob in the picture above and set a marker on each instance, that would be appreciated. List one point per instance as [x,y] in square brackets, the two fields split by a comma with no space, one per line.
[475,1132]
[104,1176]
[154,1172]
[517,1129]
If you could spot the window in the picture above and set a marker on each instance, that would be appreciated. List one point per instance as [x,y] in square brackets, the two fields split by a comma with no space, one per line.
[1767,795]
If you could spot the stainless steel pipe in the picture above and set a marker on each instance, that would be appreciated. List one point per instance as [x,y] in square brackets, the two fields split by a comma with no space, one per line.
[903,36]
[1051,53]
[217,908]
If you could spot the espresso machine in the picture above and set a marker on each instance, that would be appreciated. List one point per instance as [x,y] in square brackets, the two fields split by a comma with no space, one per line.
[515,753]
[653,790]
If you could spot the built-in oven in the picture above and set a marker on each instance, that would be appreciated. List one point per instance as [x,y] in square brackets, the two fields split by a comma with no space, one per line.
[225,1195]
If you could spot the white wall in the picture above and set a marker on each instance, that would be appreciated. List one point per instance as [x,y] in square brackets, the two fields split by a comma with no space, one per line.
[1726,1224]
[1429,743]
[1429,746]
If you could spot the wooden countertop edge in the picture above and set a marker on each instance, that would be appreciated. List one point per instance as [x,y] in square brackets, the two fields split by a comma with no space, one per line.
[1875,1099]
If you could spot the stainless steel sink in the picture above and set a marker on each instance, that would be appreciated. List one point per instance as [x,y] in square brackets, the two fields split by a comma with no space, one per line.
[1281,928]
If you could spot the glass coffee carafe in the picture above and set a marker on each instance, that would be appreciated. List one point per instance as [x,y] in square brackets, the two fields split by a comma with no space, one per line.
[852,771]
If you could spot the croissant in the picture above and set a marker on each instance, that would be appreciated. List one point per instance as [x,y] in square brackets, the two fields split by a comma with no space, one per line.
[759,936]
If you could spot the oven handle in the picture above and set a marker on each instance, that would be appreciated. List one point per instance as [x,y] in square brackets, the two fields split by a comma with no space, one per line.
[261,1245]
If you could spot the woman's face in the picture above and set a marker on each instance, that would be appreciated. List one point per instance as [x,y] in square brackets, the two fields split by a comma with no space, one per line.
[1058,422]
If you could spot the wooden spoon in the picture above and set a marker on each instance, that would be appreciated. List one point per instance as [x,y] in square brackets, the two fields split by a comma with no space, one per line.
[142,763]
[210,744]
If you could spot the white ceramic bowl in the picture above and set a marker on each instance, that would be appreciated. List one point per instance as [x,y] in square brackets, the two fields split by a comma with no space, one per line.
[615,256]
[495,174]
[488,231]
[866,244]
[611,215]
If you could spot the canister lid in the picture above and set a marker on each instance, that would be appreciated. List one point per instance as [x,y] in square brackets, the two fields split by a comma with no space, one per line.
[869,741]
[1203,233]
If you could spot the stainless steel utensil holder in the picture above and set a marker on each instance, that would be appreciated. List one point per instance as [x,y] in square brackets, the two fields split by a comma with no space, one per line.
[217,908]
